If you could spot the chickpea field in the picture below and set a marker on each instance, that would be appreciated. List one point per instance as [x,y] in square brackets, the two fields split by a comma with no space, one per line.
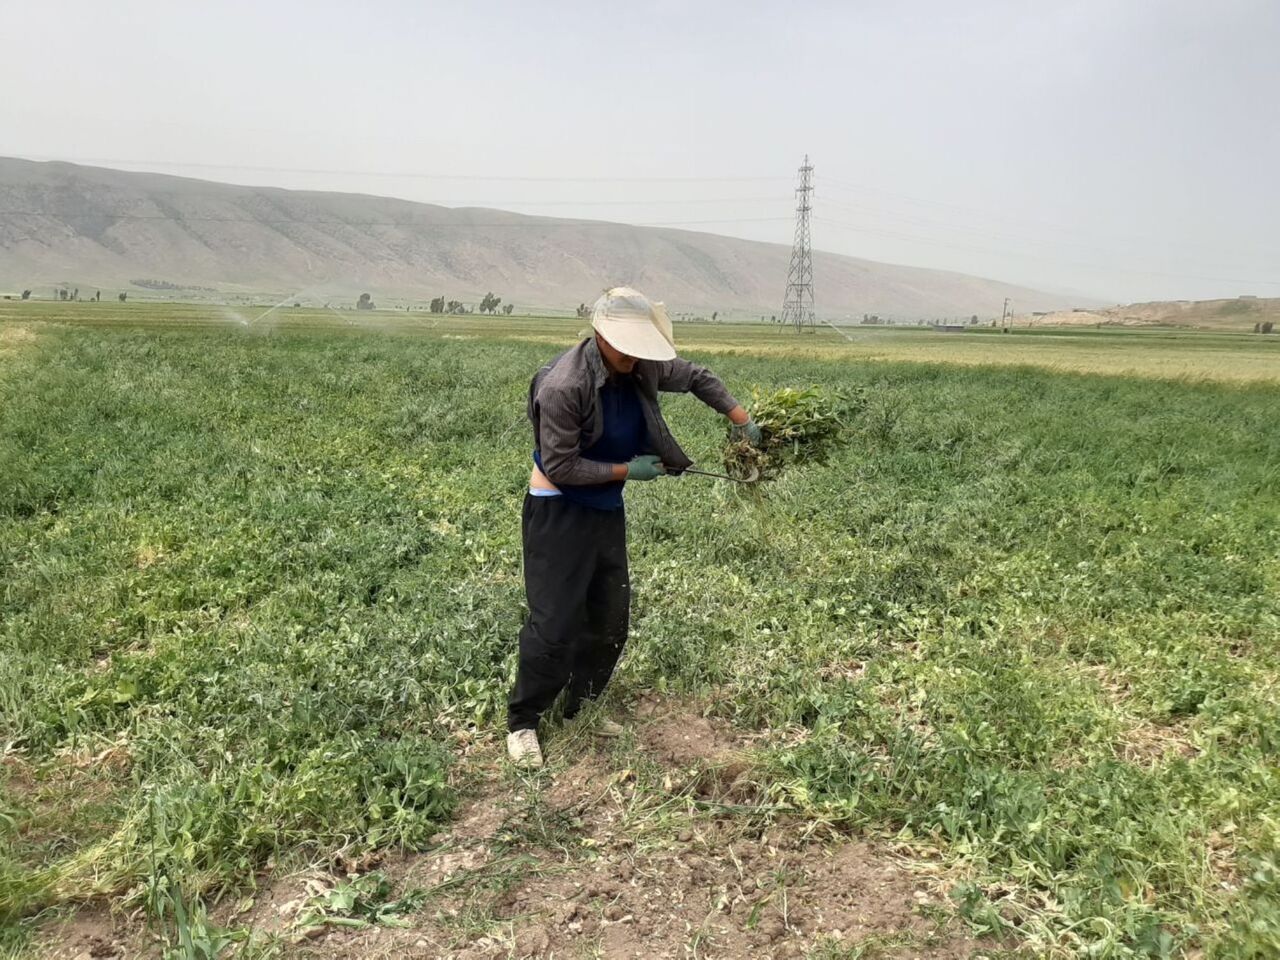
[260,586]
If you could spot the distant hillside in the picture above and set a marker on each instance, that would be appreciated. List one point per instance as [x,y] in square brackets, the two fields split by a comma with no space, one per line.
[1240,313]
[96,228]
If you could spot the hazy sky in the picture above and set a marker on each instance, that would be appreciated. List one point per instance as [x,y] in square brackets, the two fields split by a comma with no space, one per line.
[1124,148]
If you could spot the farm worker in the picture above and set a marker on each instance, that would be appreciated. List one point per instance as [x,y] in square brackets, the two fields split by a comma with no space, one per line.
[596,425]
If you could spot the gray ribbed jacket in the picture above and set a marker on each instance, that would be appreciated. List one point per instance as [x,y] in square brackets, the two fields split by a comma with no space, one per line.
[564,409]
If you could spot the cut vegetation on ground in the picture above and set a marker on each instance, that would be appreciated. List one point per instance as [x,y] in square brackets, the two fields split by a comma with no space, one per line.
[998,678]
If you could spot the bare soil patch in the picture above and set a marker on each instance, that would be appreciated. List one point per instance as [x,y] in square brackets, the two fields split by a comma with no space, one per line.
[773,895]
[653,846]
[94,933]
[613,871]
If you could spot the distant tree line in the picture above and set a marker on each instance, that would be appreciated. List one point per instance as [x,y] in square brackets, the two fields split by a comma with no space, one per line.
[488,304]
[1265,326]
[440,305]
[59,293]
[69,294]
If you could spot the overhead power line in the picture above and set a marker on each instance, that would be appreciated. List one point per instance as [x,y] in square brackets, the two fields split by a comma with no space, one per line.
[855,228]
[398,174]
[1045,238]
[285,221]
[827,183]
[998,215]
[574,224]
[682,201]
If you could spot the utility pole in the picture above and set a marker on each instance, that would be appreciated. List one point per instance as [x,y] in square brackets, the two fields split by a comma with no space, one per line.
[1006,316]
[797,303]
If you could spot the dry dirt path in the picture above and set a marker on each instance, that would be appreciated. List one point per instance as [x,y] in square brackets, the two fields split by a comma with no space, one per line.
[654,845]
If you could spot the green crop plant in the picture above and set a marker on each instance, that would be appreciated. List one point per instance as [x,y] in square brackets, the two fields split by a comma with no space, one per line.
[796,425]
[256,586]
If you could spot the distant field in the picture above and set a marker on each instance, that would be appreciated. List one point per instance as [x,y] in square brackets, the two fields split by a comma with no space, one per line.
[1147,352]
[1239,314]
[261,585]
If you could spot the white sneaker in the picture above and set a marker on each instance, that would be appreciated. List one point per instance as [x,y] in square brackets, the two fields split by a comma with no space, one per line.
[523,749]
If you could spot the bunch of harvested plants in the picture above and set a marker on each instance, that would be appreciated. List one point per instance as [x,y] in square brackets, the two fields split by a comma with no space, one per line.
[796,426]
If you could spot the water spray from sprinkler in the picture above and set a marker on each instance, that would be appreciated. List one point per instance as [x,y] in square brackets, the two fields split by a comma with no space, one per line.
[272,310]
[838,330]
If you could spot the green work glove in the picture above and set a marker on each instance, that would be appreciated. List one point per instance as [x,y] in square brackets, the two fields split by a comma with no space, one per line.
[746,431]
[645,467]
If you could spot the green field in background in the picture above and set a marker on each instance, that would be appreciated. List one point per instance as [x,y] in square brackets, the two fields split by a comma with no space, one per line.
[1171,353]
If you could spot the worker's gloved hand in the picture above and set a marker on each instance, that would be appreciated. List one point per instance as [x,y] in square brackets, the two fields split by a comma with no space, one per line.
[746,431]
[647,466]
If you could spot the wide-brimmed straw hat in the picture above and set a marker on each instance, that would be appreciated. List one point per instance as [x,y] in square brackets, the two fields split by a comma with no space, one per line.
[634,325]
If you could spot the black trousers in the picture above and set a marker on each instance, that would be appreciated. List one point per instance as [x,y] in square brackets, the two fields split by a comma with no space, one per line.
[579,594]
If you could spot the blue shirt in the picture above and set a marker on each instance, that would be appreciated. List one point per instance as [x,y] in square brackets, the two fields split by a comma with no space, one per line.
[623,439]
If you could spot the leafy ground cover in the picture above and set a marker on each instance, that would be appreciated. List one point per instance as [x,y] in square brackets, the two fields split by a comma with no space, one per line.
[261,588]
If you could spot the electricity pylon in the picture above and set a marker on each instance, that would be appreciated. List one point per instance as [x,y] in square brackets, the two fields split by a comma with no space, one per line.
[797,304]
